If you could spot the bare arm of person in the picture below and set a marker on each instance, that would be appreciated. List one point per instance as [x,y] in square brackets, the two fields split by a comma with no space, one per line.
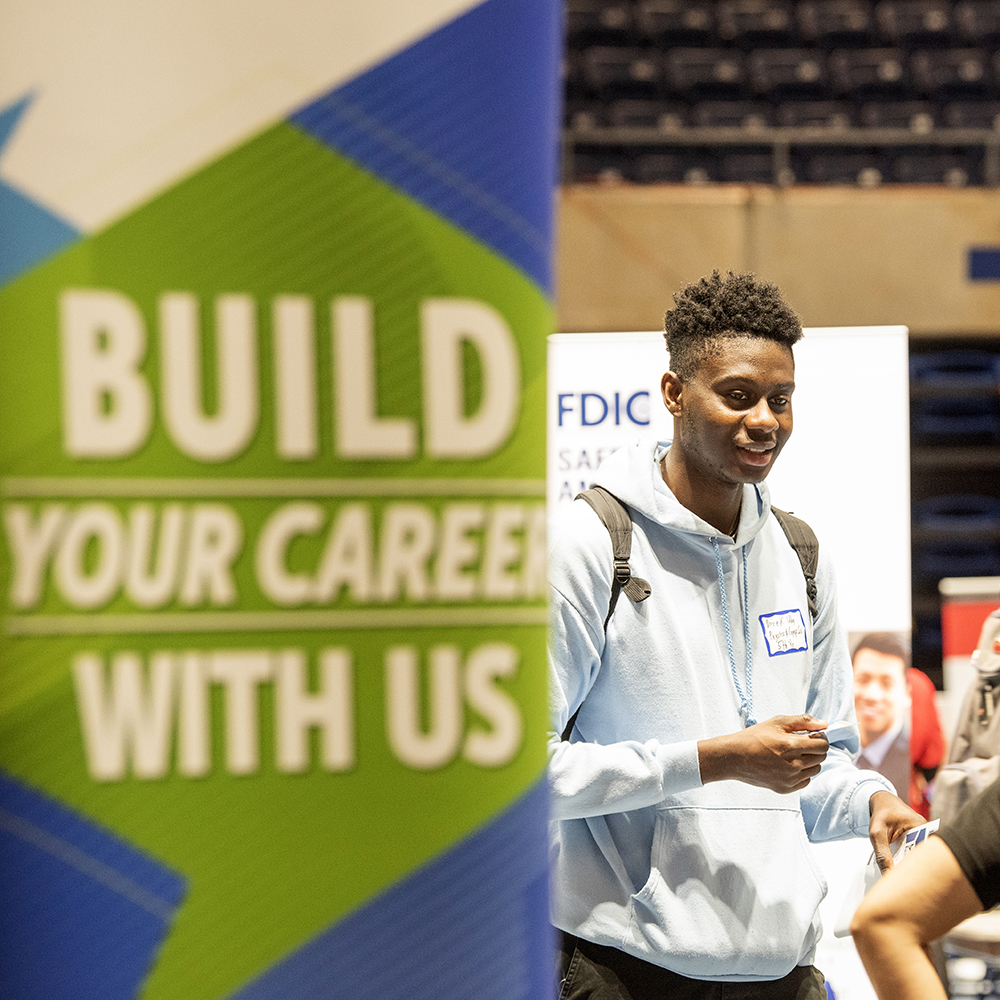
[913,904]
[772,754]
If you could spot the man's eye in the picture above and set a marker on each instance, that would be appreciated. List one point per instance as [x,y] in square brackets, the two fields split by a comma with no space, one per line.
[738,396]
[779,401]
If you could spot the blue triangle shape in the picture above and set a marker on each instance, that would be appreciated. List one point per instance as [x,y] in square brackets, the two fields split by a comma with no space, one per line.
[465,121]
[472,923]
[82,912]
[10,116]
[28,232]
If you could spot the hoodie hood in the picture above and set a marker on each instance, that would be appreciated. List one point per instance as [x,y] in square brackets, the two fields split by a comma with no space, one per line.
[633,475]
[986,658]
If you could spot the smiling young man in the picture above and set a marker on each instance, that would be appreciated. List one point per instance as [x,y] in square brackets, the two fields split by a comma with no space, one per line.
[882,704]
[688,783]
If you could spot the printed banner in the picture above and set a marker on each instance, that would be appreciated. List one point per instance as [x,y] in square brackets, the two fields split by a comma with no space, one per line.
[272,685]
[604,392]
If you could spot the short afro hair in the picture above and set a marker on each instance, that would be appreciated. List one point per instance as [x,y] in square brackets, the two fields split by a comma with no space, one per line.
[737,305]
[886,643]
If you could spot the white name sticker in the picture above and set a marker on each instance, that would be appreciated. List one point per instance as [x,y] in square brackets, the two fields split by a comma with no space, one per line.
[784,632]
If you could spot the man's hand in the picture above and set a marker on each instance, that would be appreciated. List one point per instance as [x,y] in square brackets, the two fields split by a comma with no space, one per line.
[891,817]
[774,754]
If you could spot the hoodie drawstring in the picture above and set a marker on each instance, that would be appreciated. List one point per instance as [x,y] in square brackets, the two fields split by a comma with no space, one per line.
[746,699]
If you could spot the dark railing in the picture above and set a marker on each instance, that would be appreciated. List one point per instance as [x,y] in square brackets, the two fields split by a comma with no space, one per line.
[781,140]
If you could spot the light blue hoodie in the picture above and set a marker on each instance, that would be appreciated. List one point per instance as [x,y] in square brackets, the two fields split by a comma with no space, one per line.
[711,881]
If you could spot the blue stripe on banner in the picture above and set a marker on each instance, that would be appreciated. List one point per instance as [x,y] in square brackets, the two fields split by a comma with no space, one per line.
[984,264]
[10,116]
[82,913]
[465,121]
[28,232]
[472,923]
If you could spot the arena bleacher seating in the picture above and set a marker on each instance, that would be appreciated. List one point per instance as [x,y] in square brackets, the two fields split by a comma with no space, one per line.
[847,91]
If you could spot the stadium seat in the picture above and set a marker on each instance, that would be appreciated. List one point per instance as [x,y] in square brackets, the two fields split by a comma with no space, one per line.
[585,113]
[955,420]
[814,114]
[931,166]
[669,23]
[934,560]
[955,369]
[611,71]
[732,114]
[917,116]
[995,67]
[751,23]
[673,167]
[572,75]
[978,22]
[927,635]
[912,23]
[971,114]
[836,23]
[595,22]
[663,115]
[747,167]
[602,163]
[785,73]
[869,73]
[846,166]
[957,512]
[951,73]
[697,74]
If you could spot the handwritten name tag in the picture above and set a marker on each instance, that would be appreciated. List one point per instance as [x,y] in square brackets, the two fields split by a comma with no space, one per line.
[784,632]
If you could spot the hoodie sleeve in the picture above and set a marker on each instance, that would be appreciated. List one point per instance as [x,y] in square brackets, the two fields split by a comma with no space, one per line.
[835,803]
[590,779]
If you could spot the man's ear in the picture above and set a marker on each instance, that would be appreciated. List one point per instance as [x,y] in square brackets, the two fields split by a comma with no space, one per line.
[672,388]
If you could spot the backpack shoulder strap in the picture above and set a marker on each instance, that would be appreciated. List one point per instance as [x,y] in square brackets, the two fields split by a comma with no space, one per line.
[803,539]
[615,517]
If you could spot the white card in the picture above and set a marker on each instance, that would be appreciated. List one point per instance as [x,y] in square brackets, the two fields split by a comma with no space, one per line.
[837,731]
[914,837]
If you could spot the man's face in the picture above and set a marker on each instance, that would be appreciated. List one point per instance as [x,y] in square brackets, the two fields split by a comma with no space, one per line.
[733,417]
[879,692]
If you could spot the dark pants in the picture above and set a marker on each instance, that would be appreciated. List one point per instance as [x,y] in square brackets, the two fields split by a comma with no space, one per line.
[595,972]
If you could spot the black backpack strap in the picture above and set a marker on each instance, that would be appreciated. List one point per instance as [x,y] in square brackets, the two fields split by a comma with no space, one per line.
[615,517]
[803,539]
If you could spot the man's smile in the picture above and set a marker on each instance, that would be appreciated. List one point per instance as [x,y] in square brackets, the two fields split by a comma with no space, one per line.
[756,454]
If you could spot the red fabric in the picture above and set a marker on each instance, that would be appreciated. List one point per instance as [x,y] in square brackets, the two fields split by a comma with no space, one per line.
[961,624]
[927,743]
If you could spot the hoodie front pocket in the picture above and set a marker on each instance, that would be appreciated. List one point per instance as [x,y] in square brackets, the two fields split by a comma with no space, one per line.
[730,892]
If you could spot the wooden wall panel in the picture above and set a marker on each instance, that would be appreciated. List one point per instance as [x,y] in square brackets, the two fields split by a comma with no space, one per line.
[843,256]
